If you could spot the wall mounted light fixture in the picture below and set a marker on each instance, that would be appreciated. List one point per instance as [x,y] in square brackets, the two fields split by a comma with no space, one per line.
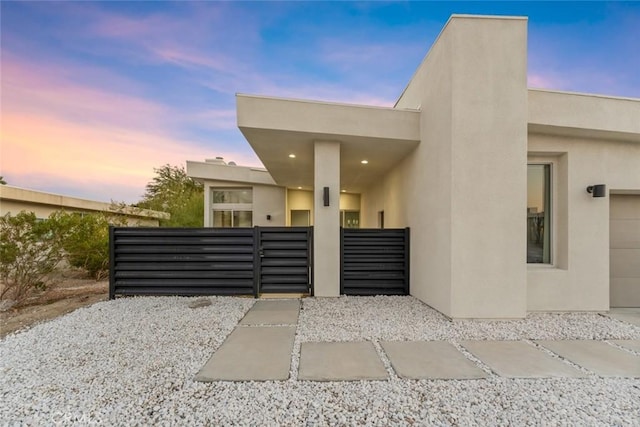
[599,190]
[325,196]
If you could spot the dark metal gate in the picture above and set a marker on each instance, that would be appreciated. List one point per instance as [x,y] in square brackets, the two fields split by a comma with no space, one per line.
[209,261]
[285,254]
[374,261]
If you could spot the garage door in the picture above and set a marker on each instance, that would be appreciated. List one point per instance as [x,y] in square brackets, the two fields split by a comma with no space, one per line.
[625,251]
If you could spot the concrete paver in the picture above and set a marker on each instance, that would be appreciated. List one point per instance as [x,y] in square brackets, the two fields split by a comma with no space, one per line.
[273,312]
[430,360]
[629,315]
[597,356]
[340,361]
[517,359]
[630,344]
[252,354]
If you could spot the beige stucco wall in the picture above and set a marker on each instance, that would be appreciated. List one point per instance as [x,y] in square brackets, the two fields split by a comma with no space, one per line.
[299,200]
[268,200]
[349,202]
[467,245]
[579,276]
[326,220]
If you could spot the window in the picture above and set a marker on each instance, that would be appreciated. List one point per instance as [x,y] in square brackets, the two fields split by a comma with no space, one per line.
[230,218]
[539,213]
[232,207]
[232,196]
[350,219]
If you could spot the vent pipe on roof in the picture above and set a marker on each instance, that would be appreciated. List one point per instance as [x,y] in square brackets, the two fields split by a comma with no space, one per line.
[216,161]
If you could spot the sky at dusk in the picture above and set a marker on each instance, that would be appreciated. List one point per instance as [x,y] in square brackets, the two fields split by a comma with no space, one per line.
[95,95]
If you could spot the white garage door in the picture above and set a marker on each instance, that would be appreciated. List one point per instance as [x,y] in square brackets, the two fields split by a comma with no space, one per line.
[625,251]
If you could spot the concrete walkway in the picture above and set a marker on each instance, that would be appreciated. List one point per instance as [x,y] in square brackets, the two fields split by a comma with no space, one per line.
[629,315]
[260,349]
[257,349]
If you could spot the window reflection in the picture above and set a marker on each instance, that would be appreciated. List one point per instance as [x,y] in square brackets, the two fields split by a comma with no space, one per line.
[539,214]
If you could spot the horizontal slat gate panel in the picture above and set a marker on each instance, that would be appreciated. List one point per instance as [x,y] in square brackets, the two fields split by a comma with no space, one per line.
[182,261]
[285,259]
[374,261]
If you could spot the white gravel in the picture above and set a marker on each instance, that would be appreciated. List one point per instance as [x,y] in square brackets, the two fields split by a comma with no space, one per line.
[132,362]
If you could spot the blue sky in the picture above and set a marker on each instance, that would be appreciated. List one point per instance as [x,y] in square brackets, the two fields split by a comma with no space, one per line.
[95,95]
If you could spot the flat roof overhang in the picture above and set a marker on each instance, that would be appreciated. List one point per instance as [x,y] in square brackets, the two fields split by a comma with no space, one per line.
[277,127]
[584,115]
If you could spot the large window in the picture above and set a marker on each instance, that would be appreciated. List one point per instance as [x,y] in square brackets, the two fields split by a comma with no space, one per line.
[232,196]
[232,207]
[539,214]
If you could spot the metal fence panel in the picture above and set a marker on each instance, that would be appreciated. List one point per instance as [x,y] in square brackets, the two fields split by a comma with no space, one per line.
[182,261]
[209,261]
[374,261]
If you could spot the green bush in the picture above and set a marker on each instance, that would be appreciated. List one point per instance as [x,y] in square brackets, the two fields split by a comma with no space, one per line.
[172,191]
[85,239]
[29,251]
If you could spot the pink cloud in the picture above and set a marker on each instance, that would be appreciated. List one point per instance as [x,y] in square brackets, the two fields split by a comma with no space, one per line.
[161,37]
[91,156]
[256,83]
[545,80]
[189,59]
[54,93]
[214,119]
[59,131]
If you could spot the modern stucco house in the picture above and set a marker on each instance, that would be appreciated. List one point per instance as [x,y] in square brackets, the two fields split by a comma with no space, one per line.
[491,177]
[14,200]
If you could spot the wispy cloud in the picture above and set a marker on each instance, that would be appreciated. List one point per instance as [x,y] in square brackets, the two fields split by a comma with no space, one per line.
[56,93]
[60,131]
[213,119]
[594,56]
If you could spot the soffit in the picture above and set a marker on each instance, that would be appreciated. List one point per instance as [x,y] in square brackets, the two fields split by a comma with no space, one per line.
[277,127]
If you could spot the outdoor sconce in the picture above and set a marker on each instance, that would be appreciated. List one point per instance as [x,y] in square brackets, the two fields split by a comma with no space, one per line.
[268,217]
[325,196]
[599,190]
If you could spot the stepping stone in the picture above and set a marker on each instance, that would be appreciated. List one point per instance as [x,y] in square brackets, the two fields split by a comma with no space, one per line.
[630,344]
[251,354]
[340,361]
[517,359]
[629,315]
[430,360]
[597,356]
[282,312]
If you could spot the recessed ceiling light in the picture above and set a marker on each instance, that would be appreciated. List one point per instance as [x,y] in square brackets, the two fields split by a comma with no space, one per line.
[292,156]
[364,162]
[344,191]
[299,188]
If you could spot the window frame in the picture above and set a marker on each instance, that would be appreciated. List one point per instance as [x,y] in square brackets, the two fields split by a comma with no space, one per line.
[231,207]
[343,217]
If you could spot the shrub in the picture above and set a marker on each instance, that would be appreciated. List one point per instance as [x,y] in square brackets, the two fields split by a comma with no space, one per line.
[86,240]
[29,251]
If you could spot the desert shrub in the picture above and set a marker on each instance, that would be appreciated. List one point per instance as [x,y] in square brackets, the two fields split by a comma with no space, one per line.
[30,250]
[85,239]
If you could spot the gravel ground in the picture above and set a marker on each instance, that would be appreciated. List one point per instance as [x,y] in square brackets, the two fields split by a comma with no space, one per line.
[132,362]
